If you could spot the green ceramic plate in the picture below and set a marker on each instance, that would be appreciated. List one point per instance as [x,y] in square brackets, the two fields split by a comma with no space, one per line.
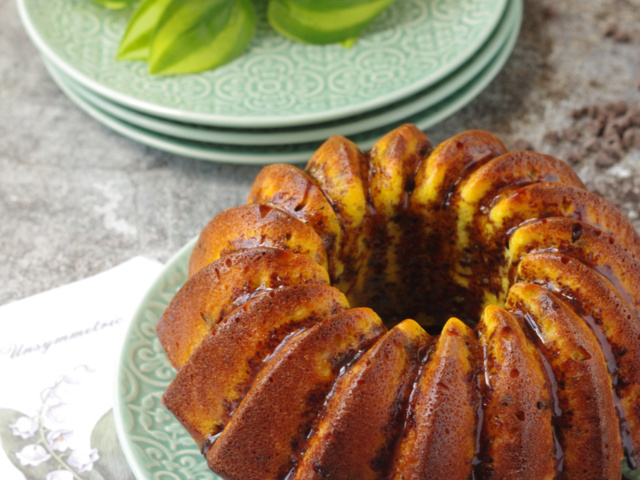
[313,133]
[155,444]
[295,153]
[277,83]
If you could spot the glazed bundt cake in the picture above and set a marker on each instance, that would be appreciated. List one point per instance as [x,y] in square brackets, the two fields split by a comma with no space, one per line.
[295,360]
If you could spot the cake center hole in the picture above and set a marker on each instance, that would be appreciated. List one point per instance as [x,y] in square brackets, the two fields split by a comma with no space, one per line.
[402,272]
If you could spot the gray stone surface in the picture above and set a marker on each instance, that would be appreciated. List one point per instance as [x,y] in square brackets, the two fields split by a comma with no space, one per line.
[77,198]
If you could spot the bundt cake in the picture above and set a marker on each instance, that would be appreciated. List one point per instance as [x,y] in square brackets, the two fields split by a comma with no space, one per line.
[295,360]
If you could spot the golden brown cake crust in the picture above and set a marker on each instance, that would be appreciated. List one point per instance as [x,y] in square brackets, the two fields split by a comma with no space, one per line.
[606,312]
[517,436]
[440,434]
[443,169]
[538,377]
[375,388]
[587,424]
[251,226]
[203,401]
[278,412]
[585,243]
[550,199]
[303,199]
[222,286]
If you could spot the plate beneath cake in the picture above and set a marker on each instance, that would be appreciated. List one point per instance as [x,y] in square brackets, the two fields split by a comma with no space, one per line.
[153,441]
[155,444]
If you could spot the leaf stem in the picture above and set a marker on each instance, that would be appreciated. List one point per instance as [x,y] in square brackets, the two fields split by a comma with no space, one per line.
[43,438]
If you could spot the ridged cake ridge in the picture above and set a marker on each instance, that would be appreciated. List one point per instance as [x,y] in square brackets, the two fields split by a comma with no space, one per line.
[295,357]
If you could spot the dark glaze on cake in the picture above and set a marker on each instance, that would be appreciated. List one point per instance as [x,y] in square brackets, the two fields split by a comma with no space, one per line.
[282,376]
[281,406]
[221,287]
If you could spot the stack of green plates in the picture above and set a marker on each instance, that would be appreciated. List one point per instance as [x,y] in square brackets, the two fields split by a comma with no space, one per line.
[420,62]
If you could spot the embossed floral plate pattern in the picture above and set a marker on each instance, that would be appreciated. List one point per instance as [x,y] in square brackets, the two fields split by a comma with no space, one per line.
[156,446]
[277,82]
[310,133]
[296,153]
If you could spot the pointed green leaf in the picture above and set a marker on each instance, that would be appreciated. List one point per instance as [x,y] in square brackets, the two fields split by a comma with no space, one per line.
[197,35]
[30,453]
[14,446]
[112,463]
[323,21]
[349,42]
[135,43]
[114,4]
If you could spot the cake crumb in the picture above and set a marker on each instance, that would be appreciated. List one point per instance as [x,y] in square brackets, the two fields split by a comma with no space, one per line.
[552,137]
[602,133]
[549,12]
[610,30]
[634,116]
[620,107]
[613,147]
[610,131]
[616,33]
[622,36]
[595,127]
[578,113]
[592,145]
[522,144]
[574,156]
[571,134]
[631,138]
[603,160]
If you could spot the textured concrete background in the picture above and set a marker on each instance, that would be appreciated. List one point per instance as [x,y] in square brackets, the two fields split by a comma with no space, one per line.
[76,198]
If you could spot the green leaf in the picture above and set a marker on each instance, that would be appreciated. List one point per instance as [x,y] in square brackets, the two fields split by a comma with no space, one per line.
[197,35]
[349,42]
[135,43]
[114,4]
[13,444]
[112,463]
[323,21]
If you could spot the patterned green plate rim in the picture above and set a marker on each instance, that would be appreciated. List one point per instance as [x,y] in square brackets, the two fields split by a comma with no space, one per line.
[311,133]
[156,446]
[277,83]
[296,153]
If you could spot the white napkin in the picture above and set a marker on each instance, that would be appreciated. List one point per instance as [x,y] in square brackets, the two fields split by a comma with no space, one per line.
[58,355]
